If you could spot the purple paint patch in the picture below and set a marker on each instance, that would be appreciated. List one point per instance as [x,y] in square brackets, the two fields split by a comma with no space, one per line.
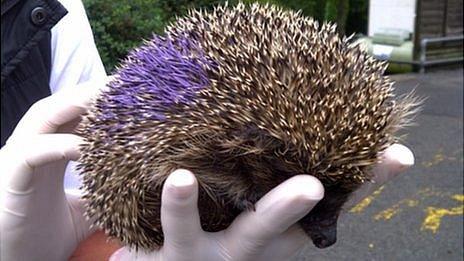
[157,76]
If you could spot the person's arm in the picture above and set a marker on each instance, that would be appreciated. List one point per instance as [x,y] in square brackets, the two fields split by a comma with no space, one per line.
[75,60]
[38,221]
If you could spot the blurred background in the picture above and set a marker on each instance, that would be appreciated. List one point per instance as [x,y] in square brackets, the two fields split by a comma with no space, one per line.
[120,25]
[419,215]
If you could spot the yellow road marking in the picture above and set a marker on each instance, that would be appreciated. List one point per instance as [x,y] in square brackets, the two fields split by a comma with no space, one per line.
[440,157]
[387,213]
[458,197]
[395,209]
[366,201]
[434,215]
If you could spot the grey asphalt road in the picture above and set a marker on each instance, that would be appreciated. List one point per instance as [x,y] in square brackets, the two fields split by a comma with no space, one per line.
[418,215]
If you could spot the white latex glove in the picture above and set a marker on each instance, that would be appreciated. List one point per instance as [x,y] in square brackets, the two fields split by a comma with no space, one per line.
[38,221]
[269,233]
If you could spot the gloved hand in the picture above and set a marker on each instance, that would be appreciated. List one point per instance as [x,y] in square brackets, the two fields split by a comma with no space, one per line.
[38,221]
[269,233]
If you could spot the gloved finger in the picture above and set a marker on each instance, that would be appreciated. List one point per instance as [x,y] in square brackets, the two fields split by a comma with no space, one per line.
[285,245]
[19,159]
[274,214]
[179,216]
[46,115]
[394,160]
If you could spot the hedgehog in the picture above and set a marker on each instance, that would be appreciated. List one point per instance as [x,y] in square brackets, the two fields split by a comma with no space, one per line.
[245,97]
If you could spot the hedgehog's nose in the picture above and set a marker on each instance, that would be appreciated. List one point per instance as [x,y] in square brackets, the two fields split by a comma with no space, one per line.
[323,242]
[326,238]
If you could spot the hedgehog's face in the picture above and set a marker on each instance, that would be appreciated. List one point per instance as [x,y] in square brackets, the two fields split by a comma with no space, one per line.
[321,223]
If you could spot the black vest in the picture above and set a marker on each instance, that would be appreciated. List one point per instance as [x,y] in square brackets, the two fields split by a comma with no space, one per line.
[26,56]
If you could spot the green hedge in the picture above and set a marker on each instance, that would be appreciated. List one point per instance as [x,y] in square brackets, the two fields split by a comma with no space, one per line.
[120,25]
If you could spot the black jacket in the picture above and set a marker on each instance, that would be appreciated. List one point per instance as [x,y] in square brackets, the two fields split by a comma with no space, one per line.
[25,56]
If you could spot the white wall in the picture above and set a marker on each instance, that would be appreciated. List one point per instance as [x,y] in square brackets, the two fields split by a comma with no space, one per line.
[398,14]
